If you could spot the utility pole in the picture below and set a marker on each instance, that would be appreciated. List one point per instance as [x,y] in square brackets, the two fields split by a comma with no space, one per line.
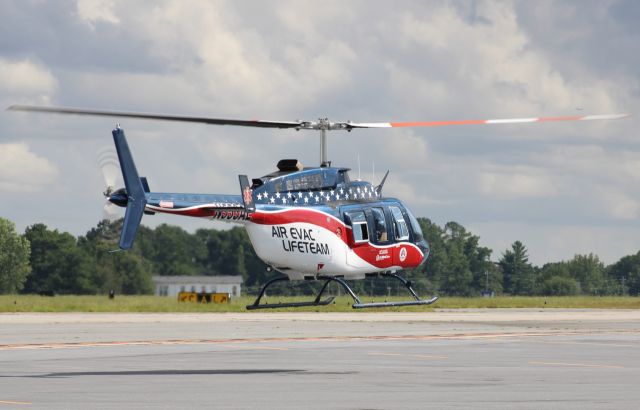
[486,284]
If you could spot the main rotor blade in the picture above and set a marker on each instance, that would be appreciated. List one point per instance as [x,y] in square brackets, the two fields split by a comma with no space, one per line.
[494,121]
[309,125]
[182,118]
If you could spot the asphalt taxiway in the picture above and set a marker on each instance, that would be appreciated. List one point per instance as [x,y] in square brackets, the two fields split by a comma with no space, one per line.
[504,359]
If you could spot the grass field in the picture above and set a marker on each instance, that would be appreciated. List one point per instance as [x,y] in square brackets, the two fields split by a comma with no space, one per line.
[33,303]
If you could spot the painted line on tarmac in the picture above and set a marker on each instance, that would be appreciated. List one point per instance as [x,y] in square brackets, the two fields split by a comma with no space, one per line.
[19,403]
[458,336]
[255,347]
[599,344]
[413,356]
[606,366]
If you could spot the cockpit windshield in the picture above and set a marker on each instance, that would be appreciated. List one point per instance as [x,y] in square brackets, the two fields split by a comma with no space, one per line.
[415,226]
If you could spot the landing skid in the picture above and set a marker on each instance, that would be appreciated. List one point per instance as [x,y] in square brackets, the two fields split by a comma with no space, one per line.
[357,302]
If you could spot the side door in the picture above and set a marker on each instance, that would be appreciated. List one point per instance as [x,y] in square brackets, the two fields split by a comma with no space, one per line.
[381,237]
[358,238]
[400,234]
[371,238]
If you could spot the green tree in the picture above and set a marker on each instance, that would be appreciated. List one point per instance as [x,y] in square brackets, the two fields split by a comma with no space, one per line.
[626,275]
[177,252]
[485,273]
[457,275]
[430,275]
[14,258]
[124,272]
[230,252]
[519,275]
[560,286]
[589,272]
[457,264]
[548,272]
[58,265]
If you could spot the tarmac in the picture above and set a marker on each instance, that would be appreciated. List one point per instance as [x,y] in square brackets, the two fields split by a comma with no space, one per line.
[472,358]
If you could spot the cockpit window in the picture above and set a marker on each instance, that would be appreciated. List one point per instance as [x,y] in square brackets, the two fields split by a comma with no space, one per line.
[380,225]
[399,224]
[343,177]
[311,180]
[358,224]
[303,182]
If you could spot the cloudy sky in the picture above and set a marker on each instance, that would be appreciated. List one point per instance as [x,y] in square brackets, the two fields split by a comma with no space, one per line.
[560,188]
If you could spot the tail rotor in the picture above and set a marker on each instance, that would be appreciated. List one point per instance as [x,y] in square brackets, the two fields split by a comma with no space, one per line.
[110,170]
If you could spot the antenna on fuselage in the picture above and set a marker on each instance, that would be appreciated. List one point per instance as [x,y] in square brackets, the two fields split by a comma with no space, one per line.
[379,187]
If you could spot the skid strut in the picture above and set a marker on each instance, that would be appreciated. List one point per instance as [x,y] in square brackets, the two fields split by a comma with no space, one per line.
[316,302]
[357,302]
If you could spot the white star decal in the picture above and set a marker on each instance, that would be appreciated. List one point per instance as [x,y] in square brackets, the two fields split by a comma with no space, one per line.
[317,198]
[363,195]
[369,194]
[284,200]
[331,193]
[337,197]
[306,200]
[288,194]
[259,197]
[341,191]
[278,195]
[272,199]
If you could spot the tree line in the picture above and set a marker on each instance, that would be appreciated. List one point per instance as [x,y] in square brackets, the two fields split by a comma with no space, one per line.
[46,261]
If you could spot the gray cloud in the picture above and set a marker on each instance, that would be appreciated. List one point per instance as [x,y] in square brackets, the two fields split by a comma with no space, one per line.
[543,184]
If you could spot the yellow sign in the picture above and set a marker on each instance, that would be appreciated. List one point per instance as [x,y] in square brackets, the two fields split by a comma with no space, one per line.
[203,297]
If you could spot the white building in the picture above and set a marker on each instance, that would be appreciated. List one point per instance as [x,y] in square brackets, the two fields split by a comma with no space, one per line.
[172,285]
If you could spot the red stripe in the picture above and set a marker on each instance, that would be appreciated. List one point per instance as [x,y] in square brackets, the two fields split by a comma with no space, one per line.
[366,251]
[202,212]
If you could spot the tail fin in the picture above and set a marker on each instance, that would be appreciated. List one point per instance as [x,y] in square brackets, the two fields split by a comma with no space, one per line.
[136,199]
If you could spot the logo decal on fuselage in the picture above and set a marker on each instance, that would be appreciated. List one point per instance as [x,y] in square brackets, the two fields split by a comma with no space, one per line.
[301,240]
[403,254]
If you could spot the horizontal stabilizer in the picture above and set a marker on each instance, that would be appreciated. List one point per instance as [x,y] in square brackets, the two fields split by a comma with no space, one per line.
[145,184]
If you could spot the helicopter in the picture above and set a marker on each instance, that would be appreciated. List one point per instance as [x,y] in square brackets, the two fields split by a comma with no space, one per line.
[308,223]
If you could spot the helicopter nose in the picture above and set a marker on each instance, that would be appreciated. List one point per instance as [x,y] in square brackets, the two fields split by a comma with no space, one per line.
[424,247]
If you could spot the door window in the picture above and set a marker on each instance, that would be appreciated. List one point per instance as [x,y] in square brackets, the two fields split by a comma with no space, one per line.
[380,225]
[399,224]
[358,224]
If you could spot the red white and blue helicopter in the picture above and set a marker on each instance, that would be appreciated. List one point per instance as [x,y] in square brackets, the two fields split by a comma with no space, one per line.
[307,223]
